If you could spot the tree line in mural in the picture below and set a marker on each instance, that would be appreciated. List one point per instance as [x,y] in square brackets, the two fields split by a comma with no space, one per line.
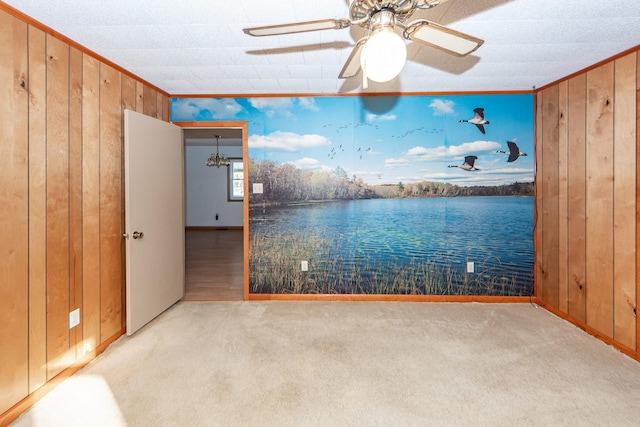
[286,183]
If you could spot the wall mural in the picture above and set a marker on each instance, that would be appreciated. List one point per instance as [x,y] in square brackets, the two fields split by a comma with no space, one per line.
[426,195]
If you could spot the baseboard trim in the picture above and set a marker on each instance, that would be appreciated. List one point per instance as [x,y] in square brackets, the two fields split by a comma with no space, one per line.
[588,329]
[208,227]
[387,298]
[22,406]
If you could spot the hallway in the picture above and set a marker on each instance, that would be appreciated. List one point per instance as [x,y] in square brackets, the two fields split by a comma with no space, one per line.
[214,265]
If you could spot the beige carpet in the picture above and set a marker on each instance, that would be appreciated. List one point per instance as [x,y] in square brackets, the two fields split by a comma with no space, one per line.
[350,364]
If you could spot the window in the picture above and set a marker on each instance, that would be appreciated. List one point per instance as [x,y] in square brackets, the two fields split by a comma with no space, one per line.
[236,180]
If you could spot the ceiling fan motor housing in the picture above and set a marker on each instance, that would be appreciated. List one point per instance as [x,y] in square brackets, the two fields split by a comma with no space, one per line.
[363,10]
[382,20]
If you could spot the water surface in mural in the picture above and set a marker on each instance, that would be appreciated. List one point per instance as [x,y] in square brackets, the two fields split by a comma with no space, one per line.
[386,195]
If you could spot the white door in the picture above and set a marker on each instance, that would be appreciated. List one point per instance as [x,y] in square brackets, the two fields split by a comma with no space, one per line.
[154,217]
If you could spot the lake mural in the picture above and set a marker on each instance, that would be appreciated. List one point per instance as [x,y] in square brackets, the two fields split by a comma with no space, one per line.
[417,195]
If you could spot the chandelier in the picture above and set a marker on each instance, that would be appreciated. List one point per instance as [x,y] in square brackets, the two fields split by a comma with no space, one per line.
[218,159]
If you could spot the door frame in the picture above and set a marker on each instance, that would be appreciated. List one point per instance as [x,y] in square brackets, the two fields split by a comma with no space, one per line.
[244,127]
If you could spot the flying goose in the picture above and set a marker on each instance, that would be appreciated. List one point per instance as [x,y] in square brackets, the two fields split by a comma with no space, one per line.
[478,119]
[514,152]
[468,164]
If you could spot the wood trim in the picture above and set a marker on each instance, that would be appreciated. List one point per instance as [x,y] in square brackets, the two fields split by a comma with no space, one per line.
[635,307]
[537,192]
[37,24]
[591,67]
[244,126]
[588,329]
[245,207]
[207,227]
[353,94]
[16,410]
[389,298]
[228,124]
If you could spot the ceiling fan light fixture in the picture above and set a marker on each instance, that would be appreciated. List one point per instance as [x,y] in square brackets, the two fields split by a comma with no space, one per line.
[383,55]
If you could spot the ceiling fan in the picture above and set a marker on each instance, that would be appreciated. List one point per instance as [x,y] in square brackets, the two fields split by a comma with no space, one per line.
[382,52]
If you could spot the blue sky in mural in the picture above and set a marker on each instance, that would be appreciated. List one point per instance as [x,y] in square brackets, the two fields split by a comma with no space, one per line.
[383,140]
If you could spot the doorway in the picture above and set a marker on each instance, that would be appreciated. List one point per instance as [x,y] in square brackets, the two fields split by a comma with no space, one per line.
[216,219]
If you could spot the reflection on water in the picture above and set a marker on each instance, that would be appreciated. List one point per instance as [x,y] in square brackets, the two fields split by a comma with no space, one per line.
[371,236]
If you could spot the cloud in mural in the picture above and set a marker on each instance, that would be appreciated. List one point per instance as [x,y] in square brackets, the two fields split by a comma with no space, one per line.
[512,171]
[287,141]
[452,151]
[196,109]
[306,163]
[380,118]
[271,103]
[435,176]
[308,104]
[396,163]
[270,106]
[442,107]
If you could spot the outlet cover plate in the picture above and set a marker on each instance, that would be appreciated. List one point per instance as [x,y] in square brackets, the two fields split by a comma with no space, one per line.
[74,318]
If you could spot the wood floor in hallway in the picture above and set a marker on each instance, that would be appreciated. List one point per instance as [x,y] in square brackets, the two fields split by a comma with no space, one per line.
[214,261]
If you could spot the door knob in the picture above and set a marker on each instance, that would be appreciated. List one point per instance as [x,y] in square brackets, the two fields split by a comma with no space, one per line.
[138,235]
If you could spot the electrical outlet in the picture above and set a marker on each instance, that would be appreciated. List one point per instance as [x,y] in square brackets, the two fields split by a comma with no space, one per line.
[304,265]
[74,318]
[470,267]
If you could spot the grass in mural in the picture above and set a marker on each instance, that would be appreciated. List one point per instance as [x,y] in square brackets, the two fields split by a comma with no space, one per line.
[275,268]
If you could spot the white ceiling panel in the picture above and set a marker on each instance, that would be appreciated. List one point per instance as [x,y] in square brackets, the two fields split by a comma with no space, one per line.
[268,71]
[305,71]
[198,46]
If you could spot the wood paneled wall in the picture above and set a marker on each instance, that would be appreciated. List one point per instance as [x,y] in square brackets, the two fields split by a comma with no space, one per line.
[61,202]
[587,204]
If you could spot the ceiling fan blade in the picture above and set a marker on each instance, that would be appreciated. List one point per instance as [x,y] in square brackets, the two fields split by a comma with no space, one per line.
[441,37]
[298,27]
[352,65]
[428,4]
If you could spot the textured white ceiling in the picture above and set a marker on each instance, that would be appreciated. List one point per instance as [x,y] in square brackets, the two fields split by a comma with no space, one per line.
[198,47]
